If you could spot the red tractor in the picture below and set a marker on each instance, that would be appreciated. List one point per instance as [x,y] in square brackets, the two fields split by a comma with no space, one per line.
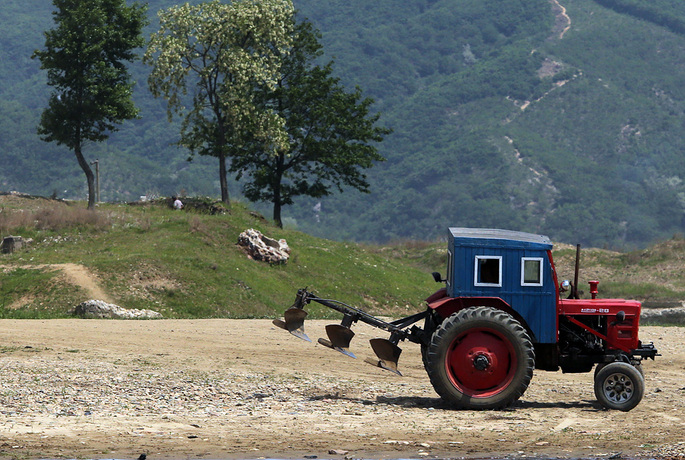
[501,314]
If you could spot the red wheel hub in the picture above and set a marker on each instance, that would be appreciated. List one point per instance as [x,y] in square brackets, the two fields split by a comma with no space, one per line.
[481,362]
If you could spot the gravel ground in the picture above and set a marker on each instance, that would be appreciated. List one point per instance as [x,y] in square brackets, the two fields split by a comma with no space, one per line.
[176,389]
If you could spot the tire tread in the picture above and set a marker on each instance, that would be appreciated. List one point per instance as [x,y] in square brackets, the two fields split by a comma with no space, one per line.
[435,358]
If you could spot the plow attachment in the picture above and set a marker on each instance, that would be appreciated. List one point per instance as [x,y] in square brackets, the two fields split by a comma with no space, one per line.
[339,338]
[340,335]
[388,354]
[294,322]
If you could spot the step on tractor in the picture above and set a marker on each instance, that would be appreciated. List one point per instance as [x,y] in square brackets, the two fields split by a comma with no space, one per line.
[501,314]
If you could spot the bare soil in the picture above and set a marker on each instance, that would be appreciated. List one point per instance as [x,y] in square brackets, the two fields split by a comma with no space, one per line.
[562,21]
[218,389]
[75,274]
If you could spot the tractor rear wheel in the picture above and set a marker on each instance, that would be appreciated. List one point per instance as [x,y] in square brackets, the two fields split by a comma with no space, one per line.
[619,386]
[480,358]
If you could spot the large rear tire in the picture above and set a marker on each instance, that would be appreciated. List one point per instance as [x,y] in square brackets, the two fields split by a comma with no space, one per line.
[480,358]
[619,386]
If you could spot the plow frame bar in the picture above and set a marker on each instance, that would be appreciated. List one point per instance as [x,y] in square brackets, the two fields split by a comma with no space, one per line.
[398,329]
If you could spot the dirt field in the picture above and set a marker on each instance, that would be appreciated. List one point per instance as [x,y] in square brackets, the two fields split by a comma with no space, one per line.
[219,389]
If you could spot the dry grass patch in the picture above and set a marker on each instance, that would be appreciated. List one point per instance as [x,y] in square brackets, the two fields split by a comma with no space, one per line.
[50,215]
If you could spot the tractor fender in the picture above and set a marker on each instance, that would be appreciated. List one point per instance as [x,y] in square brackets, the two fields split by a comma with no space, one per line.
[445,306]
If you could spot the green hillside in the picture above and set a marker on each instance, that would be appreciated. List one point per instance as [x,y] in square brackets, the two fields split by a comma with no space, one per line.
[563,119]
[186,264]
[595,156]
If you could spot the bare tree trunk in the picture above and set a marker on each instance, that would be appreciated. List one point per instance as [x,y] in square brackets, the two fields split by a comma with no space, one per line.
[222,179]
[278,177]
[90,177]
[221,141]
[277,214]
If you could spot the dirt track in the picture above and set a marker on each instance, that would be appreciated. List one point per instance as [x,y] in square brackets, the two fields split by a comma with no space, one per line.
[244,389]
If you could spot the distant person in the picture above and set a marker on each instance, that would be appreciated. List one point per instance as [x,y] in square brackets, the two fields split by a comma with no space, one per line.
[177,203]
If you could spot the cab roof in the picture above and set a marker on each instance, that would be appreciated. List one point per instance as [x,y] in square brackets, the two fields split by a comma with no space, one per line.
[498,234]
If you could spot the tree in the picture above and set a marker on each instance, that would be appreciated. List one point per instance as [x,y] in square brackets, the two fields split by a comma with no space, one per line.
[84,57]
[329,132]
[221,52]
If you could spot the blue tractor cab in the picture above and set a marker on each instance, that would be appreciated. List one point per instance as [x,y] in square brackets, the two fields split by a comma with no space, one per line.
[491,264]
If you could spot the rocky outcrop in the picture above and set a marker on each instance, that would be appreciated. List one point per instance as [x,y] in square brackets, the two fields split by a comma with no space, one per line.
[663,316]
[100,309]
[11,243]
[261,247]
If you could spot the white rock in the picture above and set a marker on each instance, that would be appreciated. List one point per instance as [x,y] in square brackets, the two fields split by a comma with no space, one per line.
[100,309]
[261,247]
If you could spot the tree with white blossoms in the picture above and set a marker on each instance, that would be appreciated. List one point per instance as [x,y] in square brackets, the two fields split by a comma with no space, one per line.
[210,57]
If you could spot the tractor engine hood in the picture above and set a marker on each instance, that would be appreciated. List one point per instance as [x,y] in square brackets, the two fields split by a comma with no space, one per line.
[610,307]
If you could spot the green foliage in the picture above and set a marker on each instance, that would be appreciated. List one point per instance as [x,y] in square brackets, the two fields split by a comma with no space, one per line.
[580,163]
[330,132]
[84,57]
[666,13]
[221,51]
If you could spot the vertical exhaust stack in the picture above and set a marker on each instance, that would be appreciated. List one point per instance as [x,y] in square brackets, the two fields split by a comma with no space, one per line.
[574,291]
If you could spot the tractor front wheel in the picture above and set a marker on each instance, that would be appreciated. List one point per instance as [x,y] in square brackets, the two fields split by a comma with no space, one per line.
[635,363]
[480,358]
[619,386]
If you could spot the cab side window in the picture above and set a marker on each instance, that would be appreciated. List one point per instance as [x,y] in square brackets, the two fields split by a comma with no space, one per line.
[531,271]
[488,271]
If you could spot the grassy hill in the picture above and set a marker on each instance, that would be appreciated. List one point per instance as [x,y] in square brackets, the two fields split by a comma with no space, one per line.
[186,264]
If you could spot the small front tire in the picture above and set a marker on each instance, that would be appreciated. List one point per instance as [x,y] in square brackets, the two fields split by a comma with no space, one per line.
[619,386]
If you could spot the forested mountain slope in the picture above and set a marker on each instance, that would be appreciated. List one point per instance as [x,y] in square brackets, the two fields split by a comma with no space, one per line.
[564,118]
